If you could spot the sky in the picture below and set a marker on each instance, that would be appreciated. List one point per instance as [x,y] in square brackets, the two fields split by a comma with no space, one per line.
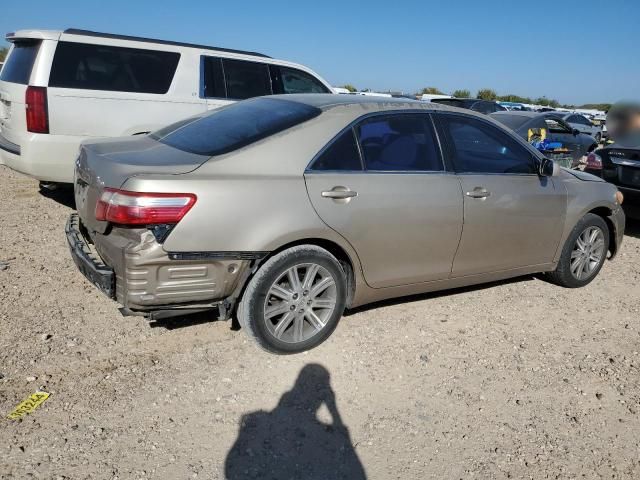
[574,51]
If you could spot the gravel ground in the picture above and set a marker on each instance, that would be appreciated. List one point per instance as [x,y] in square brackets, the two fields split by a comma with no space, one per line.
[520,379]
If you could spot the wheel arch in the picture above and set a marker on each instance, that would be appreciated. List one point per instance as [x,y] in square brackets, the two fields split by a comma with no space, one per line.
[605,213]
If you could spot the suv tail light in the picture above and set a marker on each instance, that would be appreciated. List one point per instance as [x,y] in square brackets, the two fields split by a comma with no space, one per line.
[594,162]
[134,208]
[37,110]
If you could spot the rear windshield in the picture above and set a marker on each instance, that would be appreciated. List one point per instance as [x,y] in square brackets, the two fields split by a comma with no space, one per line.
[19,64]
[514,122]
[101,67]
[235,126]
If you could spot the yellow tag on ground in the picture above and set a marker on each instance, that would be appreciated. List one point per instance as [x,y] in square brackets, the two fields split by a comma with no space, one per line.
[28,405]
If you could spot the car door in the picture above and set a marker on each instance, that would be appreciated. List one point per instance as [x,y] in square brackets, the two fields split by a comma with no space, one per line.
[512,216]
[381,184]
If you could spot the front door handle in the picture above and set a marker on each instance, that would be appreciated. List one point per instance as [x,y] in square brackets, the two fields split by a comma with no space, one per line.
[338,193]
[478,192]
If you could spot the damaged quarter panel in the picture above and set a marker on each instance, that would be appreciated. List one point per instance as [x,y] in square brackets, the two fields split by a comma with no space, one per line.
[253,199]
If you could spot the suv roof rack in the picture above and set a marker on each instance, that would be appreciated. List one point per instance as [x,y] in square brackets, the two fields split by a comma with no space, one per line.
[89,33]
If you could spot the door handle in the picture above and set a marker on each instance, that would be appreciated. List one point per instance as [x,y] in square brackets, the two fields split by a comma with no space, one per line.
[338,193]
[478,192]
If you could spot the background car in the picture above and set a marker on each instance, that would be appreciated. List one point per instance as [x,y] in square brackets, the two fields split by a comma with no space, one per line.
[475,104]
[293,208]
[557,130]
[59,88]
[582,124]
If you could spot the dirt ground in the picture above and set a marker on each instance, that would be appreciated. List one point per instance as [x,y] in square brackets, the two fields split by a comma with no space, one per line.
[520,379]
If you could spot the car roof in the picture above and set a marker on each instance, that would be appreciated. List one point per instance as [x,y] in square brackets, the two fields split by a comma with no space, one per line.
[325,101]
[55,35]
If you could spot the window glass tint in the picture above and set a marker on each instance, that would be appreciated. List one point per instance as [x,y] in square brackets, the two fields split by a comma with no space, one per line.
[100,67]
[235,126]
[19,64]
[478,147]
[483,107]
[246,79]
[213,86]
[556,125]
[401,142]
[342,154]
[296,81]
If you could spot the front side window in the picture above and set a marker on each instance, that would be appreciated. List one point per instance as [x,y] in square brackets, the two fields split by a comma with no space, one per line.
[399,142]
[556,125]
[477,147]
[297,81]
[119,69]
[342,154]
[19,64]
[246,79]
[235,126]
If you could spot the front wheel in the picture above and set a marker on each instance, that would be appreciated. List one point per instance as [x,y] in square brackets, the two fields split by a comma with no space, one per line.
[294,301]
[583,253]
[598,137]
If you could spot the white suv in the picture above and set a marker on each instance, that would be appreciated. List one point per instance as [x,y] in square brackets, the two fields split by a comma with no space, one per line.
[58,88]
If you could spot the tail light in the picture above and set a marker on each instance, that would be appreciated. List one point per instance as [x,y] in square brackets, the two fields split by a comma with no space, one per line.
[134,208]
[594,162]
[37,111]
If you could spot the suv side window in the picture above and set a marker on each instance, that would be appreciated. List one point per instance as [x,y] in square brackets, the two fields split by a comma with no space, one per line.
[341,154]
[478,147]
[297,81]
[399,142]
[119,69]
[246,79]
[213,85]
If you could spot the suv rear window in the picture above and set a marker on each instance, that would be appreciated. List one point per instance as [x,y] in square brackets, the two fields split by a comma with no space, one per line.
[235,126]
[119,69]
[20,62]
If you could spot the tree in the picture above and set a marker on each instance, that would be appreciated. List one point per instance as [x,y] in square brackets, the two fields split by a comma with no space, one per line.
[350,87]
[3,53]
[430,91]
[462,94]
[486,94]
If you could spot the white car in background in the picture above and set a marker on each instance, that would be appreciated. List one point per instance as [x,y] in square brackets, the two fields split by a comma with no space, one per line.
[59,88]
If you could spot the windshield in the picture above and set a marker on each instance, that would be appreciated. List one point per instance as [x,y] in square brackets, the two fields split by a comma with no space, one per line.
[235,126]
[19,64]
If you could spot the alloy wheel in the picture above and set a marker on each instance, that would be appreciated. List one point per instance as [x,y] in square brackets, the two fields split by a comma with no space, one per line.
[300,303]
[588,253]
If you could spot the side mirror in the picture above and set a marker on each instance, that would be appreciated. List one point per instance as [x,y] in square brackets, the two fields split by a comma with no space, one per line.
[548,168]
[576,132]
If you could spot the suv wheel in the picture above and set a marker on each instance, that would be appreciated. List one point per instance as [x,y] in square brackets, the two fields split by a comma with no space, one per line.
[294,301]
[583,253]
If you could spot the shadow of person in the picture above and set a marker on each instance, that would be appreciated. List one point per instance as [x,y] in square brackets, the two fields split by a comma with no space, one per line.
[290,442]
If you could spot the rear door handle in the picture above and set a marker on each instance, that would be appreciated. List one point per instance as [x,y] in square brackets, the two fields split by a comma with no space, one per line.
[339,193]
[478,192]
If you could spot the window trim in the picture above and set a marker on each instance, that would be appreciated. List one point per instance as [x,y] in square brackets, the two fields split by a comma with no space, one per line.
[439,150]
[448,149]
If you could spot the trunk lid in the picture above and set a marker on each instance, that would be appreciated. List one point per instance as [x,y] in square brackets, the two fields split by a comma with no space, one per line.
[621,165]
[109,163]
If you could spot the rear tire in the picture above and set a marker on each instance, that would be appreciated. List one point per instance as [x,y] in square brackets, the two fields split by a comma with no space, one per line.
[294,301]
[583,253]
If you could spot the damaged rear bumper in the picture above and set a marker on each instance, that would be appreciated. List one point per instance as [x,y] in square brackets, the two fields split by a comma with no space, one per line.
[131,267]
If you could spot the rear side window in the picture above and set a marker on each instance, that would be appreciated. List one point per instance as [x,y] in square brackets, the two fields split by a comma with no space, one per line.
[246,79]
[399,142]
[342,154]
[19,64]
[297,81]
[119,69]
[477,147]
[232,127]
